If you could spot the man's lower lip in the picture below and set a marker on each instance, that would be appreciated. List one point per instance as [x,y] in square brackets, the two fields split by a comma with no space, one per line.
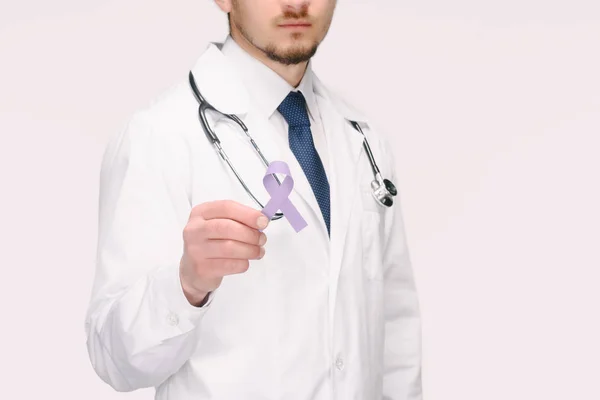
[294,26]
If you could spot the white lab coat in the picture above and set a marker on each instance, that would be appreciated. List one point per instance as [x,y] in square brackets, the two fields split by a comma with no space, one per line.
[314,319]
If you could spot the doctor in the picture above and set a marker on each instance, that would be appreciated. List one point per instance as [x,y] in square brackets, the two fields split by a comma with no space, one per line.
[195,292]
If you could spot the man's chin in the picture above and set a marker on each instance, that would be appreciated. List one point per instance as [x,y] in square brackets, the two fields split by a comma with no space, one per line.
[291,55]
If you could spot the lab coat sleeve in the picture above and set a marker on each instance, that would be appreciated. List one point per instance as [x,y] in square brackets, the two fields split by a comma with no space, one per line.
[140,328]
[402,351]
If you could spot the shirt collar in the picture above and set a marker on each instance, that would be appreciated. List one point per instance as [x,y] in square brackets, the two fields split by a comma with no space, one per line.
[264,85]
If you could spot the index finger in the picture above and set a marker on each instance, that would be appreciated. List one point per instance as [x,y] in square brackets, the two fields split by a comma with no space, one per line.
[230,209]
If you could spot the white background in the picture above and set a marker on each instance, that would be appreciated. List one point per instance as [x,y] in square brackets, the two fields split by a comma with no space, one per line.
[494,111]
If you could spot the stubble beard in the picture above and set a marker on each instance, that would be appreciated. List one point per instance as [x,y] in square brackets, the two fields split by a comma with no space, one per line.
[296,55]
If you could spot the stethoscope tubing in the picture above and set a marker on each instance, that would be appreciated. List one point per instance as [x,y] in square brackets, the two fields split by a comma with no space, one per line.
[380,187]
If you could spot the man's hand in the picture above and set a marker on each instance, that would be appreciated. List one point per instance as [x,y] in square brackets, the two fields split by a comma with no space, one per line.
[219,239]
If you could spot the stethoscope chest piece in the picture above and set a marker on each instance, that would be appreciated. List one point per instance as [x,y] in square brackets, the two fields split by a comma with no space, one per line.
[383,191]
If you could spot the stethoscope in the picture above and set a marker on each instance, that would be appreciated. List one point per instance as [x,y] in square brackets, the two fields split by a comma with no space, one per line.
[383,190]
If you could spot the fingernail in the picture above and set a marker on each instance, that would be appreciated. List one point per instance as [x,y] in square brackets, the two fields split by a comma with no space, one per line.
[262,222]
[262,253]
[262,240]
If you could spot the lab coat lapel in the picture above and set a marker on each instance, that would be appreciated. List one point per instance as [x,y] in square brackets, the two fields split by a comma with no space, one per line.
[346,150]
[344,144]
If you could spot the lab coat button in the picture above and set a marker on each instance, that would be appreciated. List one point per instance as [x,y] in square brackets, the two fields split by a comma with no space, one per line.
[173,319]
[339,363]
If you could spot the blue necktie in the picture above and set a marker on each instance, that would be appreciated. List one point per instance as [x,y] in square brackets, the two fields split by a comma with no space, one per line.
[293,109]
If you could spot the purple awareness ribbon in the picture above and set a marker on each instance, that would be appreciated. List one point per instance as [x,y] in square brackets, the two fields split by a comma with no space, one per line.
[280,195]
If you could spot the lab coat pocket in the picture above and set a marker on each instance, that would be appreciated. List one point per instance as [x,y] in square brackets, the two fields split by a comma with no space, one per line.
[372,237]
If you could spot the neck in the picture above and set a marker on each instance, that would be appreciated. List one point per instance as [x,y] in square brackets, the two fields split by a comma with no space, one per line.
[291,73]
